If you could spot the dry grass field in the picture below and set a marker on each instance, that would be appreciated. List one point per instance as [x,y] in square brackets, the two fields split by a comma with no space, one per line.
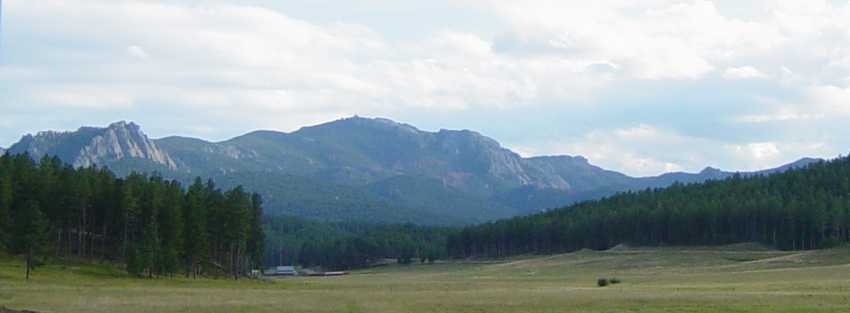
[738,278]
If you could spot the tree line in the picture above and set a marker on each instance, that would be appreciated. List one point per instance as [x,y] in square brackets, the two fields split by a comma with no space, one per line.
[800,209]
[157,227]
[49,209]
[351,245]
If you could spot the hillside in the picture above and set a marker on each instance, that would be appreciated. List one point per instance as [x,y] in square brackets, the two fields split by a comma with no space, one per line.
[363,169]
[804,208]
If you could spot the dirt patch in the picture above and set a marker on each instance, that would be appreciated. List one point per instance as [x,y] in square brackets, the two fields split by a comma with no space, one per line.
[795,259]
[620,247]
[747,246]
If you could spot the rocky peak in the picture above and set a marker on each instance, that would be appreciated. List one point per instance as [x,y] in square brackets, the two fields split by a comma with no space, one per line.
[95,146]
[122,140]
[483,156]
[129,126]
[357,123]
[711,171]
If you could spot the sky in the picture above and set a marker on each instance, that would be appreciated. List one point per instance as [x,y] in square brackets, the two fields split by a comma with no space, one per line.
[641,87]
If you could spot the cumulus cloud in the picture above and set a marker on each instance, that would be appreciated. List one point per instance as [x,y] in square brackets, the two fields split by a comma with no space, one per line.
[744,72]
[579,70]
[264,61]
[137,52]
[641,150]
[646,150]
[650,39]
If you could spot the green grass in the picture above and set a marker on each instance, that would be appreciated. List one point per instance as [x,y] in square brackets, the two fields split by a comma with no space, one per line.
[711,279]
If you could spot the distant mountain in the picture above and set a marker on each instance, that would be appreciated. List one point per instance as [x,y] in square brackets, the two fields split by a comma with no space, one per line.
[89,146]
[597,183]
[801,163]
[2,151]
[359,151]
[800,210]
[361,169]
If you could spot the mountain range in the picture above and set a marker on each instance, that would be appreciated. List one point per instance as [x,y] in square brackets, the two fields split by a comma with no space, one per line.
[361,169]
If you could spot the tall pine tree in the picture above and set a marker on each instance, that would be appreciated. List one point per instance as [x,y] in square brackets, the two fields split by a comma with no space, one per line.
[30,233]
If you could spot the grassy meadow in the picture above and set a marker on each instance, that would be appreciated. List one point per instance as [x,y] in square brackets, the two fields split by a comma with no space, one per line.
[738,278]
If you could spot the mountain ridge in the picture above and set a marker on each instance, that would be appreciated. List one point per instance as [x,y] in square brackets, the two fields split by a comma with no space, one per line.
[89,146]
[374,164]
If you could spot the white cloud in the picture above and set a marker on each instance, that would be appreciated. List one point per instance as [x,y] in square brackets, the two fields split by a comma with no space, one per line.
[824,104]
[646,150]
[781,112]
[744,72]
[652,39]
[216,70]
[831,100]
[263,60]
[137,52]
[761,155]
[642,150]
[763,150]
[81,97]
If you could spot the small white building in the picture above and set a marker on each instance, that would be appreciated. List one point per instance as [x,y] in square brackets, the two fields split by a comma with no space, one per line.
[282,271]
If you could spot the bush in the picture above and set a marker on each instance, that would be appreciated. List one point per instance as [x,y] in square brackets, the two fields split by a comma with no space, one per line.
[615,281]
[602,282]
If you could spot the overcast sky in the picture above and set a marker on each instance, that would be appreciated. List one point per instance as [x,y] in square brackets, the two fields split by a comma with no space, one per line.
[640,88]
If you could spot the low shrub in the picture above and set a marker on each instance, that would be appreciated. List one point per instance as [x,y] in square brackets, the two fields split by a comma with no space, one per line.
[602,282]
[615,281]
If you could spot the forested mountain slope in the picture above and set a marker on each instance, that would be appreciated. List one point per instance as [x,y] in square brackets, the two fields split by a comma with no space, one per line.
[804,208]
[370,170]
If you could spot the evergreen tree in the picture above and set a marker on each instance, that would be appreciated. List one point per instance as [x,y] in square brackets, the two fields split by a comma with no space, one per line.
[149,223]
[195,221]
[134,262]
[799,209]
[30,233]
[171,225]
[235,228]
[5,205]
[150,207]
[256,235]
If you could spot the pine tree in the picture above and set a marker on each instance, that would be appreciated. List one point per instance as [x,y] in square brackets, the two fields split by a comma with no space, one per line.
[129,214]
[30,233]
[195,229]
[5,206]
[134,261]
[171,228]
[256,235]
[235,228]
[150,207]
[149,223]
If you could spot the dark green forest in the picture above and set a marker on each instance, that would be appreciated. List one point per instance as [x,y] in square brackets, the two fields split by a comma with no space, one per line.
[349,245]
[50,210]
[157,227]
[800,209]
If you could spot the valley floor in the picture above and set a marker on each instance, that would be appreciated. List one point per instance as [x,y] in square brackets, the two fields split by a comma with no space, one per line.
[738,278]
